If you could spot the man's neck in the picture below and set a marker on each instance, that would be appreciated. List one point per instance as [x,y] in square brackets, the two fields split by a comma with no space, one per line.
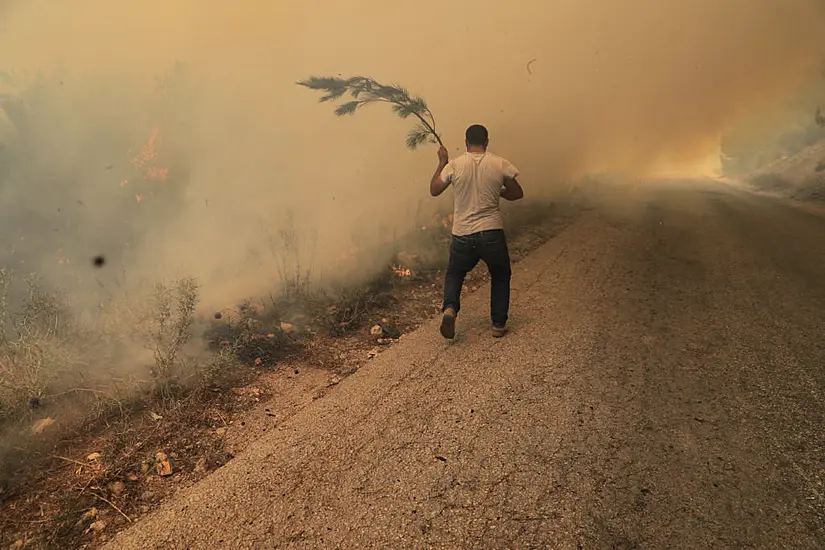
[476,149]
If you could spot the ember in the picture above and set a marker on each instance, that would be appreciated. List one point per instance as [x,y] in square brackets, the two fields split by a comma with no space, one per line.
[401,272]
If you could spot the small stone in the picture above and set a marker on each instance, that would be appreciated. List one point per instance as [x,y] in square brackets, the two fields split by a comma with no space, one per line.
[94,456]
[162,465]
[96,527]
[376,330]
[86,518]
[164,469]
[220,431]
[40,426]
[117,488]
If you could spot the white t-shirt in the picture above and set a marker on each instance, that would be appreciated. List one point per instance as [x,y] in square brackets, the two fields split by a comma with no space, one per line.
[477,180]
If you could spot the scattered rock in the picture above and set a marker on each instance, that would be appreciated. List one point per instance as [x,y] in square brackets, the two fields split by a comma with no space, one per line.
[96,527]
[164,468]
[220,431]
[372,353]
[388,330]
[86,519]
[200,465]
[40,426]
[162,465]
[117,488]
[376,330]
[94,456]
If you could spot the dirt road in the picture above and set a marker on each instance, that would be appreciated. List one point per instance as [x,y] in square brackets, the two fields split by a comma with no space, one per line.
[662,388]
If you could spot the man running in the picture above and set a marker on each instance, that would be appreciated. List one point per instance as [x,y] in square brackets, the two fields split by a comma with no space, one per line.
[479,180]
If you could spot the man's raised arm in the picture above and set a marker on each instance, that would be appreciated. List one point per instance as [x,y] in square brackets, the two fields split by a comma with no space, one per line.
[439,183]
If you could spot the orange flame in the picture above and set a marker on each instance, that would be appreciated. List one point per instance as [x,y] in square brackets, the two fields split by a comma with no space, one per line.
[401,272]
[148,153]
[157,173]
[138,198]
[147,157]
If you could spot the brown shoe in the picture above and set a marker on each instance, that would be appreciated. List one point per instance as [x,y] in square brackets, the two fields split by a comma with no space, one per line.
[499,332]
[448,324]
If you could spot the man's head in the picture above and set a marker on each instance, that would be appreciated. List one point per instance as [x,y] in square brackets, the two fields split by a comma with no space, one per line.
[476,137]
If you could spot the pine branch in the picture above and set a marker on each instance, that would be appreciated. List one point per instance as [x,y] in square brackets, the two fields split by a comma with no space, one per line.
[365,90]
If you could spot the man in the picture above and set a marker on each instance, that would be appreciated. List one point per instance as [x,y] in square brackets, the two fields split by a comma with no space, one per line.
[479,180]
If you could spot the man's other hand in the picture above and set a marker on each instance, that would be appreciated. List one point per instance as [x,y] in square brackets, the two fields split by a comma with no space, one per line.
[443,155]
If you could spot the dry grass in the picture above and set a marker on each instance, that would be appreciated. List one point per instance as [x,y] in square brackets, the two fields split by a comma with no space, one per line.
[63,370]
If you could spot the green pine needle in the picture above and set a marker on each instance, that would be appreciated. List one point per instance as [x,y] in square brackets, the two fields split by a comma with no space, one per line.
[365,90]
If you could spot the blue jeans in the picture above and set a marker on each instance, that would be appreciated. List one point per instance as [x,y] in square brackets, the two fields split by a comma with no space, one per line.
[465,252]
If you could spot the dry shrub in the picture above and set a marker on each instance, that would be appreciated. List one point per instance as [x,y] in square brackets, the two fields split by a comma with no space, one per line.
[78,368]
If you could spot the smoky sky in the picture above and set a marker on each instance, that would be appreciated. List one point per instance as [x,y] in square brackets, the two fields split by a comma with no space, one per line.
[621,86]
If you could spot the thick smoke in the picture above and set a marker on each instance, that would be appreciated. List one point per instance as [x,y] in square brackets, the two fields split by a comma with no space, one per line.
[566,87]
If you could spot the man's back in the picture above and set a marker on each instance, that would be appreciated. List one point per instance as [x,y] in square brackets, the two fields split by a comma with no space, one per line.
[477,180]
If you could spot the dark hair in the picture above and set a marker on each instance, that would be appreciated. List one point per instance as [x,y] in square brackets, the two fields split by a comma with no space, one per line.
[476,135]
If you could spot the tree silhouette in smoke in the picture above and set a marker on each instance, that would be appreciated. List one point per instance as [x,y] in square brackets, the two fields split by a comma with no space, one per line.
[364,91]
